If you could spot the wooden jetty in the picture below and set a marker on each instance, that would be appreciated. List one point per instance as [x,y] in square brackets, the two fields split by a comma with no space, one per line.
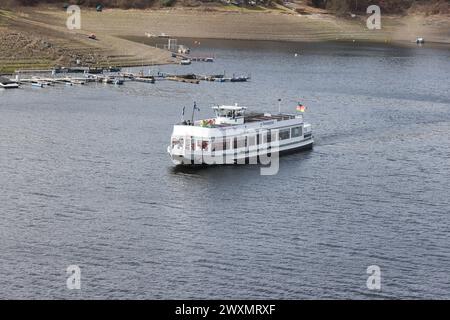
[116,79]
[91,70]
[181,79]
[32,71]
[145,79]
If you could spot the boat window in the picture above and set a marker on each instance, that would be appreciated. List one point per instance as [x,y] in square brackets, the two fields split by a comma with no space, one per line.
[274,136]
[285,134]
[201,144]
[241,142]
[296,132]
[227,144]
[217,145]
[267,137]
[189,144]
[251,140]
[177,142]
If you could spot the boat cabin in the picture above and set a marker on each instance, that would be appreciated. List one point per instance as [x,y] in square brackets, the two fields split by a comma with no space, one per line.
[229,114]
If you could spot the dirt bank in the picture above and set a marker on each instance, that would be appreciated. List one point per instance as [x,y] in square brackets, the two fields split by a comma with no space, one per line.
[38,36]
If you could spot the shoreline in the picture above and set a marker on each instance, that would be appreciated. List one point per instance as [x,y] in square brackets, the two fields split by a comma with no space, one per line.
[56,45]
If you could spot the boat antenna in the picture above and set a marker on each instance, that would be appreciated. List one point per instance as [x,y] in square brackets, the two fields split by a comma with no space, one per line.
[279,105]
[193,111]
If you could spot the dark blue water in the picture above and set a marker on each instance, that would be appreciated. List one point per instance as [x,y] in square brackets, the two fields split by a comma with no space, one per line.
[85,180]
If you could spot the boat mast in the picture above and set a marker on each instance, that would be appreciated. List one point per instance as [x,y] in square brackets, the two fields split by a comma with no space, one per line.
[193,111]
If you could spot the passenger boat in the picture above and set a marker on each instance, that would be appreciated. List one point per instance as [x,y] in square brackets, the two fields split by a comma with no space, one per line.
[234,137]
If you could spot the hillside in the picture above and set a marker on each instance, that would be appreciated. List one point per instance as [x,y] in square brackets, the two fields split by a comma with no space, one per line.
[333,6]
[37,37]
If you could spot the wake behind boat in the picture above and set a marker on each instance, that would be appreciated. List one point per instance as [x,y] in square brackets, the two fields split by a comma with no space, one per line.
[234,137]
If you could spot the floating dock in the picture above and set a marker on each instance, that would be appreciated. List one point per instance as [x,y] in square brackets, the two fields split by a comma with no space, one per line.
[112,78]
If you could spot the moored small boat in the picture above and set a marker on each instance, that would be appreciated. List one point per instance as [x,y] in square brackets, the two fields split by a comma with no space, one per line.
[37,84]
[113,69]
[185,62]
[8,84]
[145,79]
[239,79]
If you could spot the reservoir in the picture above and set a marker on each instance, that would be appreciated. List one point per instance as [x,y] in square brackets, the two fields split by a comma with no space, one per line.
[86,180]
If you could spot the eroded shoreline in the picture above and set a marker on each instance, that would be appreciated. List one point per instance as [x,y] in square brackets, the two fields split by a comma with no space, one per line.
[47,42]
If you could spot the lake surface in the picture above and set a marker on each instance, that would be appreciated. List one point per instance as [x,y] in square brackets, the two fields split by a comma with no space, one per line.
[85,180]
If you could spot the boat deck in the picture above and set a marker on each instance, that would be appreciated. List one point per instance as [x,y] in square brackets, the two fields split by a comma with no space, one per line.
[249,118]
[258,117]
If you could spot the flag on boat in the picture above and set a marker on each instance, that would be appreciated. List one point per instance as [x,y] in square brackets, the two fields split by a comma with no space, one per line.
[301,108]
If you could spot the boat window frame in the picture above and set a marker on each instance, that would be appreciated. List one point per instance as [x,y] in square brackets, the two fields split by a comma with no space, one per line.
[251,140]
[177,141]
[217,144]
[300,131]
[281,133]
[227,143]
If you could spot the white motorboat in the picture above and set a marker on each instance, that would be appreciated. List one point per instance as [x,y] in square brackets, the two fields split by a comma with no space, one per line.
[185,62]
[8,84]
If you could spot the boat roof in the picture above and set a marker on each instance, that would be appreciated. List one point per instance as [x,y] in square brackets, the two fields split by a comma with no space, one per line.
[235,107]
[252,118]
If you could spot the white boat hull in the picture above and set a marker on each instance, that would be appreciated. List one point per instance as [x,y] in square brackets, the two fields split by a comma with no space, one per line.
[9,86]
[242,157]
